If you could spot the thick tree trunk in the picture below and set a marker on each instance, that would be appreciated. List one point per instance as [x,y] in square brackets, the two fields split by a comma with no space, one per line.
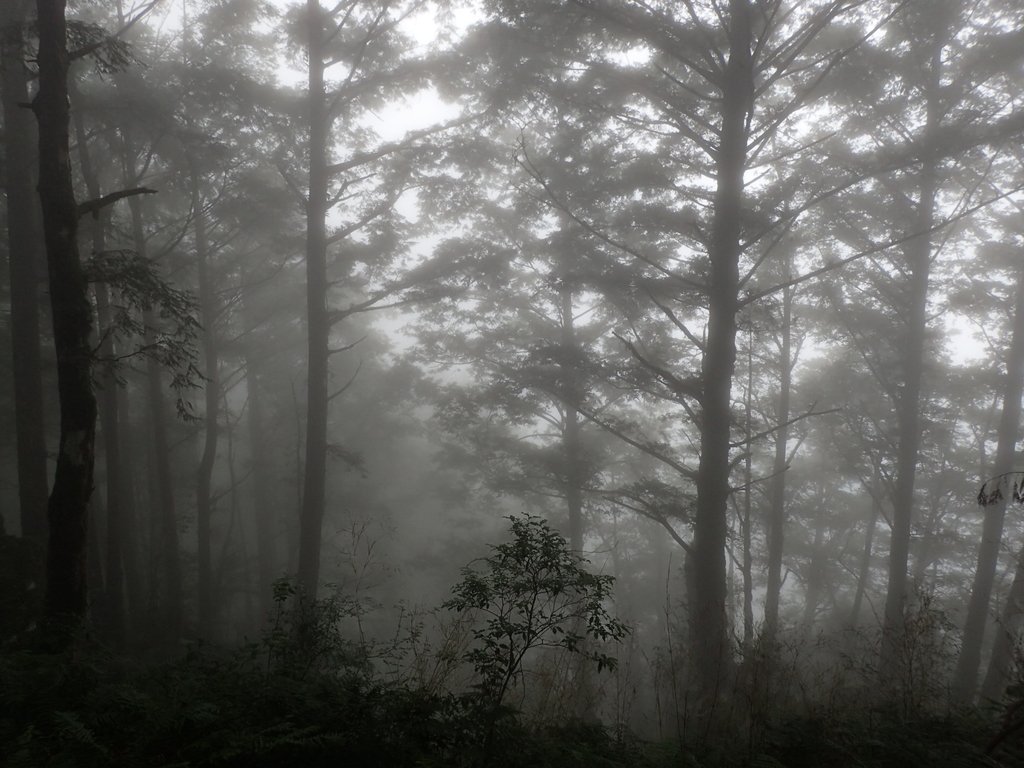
[72,323]
[317,317]
[24,256]
[918,256]
[708,632]
[966,680]
[204,476]
[777,497]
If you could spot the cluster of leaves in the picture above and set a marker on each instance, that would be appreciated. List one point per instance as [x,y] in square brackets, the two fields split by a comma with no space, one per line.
[141,292]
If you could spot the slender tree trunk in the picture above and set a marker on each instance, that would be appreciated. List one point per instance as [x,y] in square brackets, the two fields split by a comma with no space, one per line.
[864,572]
[204,477]
[815,572]
[966,680]
[135,579]
[167,516]
[317,317]
[72,322]
[708,631]
[24,256]
[262,485]
[113,602]
[918,255]
[777,497]
[747,567]
[571,443]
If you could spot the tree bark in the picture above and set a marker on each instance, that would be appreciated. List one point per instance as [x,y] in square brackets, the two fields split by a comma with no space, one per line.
[66,597]
[571,444]
[204,475]
[167,517]
[777,497]
[317,317]
[864,572]
[113,599]
[918,256]
[262,485]
[24,256]
[708,631]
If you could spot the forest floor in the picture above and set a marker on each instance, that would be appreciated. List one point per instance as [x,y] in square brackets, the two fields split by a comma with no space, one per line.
[242,708]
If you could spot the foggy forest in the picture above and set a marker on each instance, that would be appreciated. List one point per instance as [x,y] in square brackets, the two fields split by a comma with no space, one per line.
[512,383]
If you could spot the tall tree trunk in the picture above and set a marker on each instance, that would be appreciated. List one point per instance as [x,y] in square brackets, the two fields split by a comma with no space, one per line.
[708,631]
[777,497]
[164,506]
[72,322]
[134,577]
[204,477]
[262,485]
[24,256]
[747,565]
[864,572]
[918,256]
[317,317]
[571,444]
[966,680]
[113,599]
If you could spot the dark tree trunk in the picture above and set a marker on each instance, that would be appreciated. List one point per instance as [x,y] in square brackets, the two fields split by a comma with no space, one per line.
[918,256]
[746,564]
[72,322]
[167,518]
[571,444]
[204,502]
[262,485]
[864,572]
[113,599]
[24,256]
[317,317]
[709,632]
[777,497]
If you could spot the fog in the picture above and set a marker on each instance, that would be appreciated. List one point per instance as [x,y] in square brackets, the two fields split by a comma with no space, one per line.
[561,382]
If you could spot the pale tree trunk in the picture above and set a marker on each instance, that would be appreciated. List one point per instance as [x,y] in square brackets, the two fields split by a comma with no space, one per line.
[709,651]
[317,317]
[72,323]
[204,475]
[966,679]
[24,257]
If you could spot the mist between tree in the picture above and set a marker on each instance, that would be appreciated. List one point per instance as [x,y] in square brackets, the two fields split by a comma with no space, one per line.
[511,383]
